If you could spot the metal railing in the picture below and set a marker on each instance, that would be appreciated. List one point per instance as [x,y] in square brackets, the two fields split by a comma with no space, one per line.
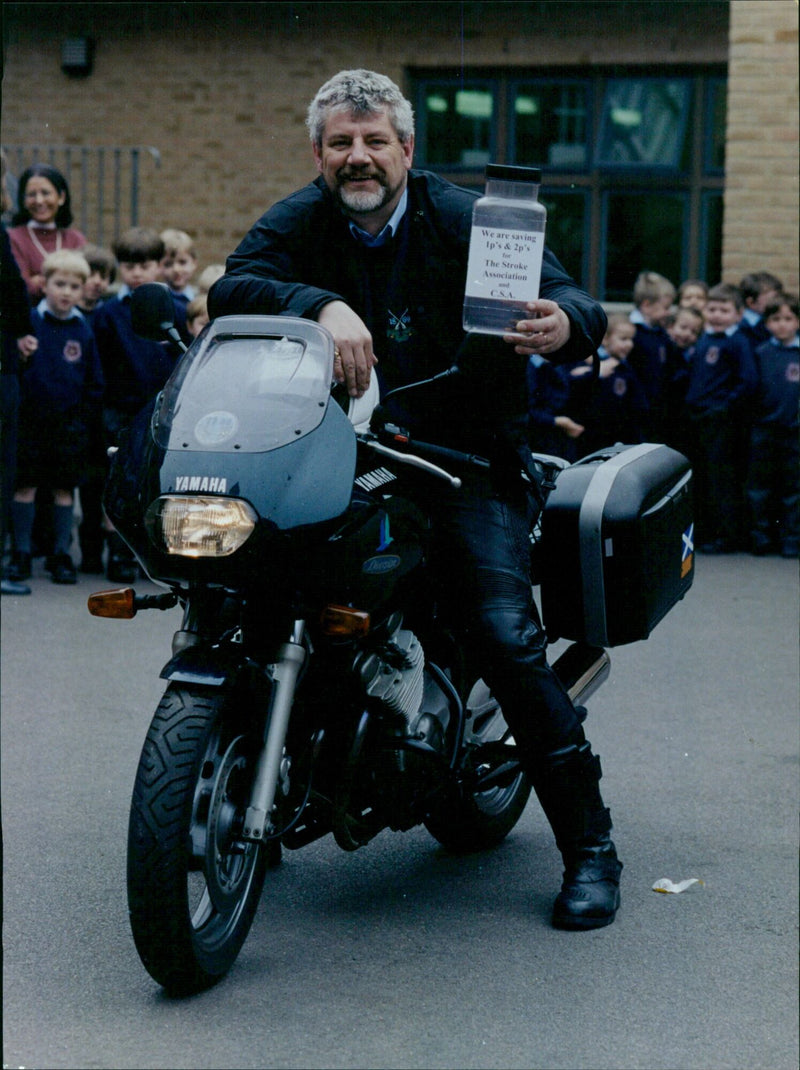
[104,182]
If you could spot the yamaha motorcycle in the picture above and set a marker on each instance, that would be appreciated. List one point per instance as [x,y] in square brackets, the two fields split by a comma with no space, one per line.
[315,686]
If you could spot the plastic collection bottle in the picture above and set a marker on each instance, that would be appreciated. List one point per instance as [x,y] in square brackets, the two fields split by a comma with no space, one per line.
[505,250]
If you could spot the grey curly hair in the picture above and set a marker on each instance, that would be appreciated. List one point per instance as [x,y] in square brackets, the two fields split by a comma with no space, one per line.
[360,92]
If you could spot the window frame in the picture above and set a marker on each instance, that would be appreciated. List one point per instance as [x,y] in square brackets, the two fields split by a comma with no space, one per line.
[700,181]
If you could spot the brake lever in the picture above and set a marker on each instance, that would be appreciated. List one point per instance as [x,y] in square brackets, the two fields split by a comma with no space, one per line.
[412,460]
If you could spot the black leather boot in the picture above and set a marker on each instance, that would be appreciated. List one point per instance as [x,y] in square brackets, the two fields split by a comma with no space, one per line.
[566,783]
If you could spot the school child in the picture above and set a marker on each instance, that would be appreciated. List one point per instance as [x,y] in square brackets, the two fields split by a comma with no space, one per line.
[684,325]
[197,314]
[653,356]
[134,368]
[773,480]
[692,293]
[550,430]
[102,275]
[91,535]
[62,387]
[722,377]
[178,266]
[208,276]
[759,289]
[614,407]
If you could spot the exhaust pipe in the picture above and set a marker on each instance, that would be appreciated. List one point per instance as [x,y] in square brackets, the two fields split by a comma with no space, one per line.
[582,669]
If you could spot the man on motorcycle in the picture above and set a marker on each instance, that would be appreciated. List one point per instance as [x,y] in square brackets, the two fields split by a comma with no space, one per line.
[377,251]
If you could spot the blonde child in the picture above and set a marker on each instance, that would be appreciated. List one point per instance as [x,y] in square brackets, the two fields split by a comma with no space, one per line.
[653,357]
[62,387]
[178,267]
[615,408]
[197,314]
[208,276]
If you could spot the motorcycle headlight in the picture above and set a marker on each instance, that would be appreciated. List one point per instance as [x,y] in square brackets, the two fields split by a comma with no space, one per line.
[198,526]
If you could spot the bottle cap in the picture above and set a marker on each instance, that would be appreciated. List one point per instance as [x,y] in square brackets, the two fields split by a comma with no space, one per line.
[513,174]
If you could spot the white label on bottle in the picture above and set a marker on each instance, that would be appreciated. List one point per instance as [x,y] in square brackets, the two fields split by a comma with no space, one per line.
[504,265]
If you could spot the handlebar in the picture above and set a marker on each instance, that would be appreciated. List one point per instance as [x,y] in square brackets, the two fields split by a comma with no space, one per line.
[393,441]
[410,459]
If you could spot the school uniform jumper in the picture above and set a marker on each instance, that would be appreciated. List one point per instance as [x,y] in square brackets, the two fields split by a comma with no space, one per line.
[722,377]
[773,480]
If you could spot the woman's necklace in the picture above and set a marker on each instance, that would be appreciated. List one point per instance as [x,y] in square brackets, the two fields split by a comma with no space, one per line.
[37,243]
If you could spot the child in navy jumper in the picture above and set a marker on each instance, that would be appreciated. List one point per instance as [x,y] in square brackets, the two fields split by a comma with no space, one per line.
[653,356]
[613,407]
[102,274]
[773,481]
[134,368]
[550,430]
[62,387]
[759,289]
[684,325]
[573,413]
[722,378]
[91,535]
[178,266]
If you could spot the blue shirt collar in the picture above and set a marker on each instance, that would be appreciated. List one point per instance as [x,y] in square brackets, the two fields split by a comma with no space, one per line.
[794,344]
[637,318]
[74,314]
[388,231]
[751,317]
[727,332]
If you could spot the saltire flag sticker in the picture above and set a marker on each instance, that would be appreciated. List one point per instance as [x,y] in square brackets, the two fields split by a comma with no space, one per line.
[687,554]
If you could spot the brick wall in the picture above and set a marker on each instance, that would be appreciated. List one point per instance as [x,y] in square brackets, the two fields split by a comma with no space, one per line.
[221,89]
[761,184]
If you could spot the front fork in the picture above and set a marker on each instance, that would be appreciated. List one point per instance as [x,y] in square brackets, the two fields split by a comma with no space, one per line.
[284,670]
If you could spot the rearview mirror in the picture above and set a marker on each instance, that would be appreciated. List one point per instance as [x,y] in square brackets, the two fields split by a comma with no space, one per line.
[153,313]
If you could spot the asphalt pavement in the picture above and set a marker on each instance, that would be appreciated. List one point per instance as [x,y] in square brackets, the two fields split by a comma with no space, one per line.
[399,955]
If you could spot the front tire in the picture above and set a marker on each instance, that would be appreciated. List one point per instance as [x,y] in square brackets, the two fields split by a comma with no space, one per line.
[477,820]
[193,887]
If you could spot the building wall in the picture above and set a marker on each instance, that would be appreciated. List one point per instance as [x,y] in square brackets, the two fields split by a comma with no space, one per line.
[221,89]
[761,167]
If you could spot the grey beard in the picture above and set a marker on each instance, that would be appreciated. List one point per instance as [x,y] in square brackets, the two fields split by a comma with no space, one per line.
[362,200]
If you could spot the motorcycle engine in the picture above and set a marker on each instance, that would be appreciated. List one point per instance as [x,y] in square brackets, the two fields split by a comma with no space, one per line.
[393,673]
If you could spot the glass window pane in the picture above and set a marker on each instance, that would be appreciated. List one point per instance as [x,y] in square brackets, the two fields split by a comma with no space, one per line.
[711,229]
[565,234]
[716,123]
[550,125]
[644,232]
[644,123]
[456,122]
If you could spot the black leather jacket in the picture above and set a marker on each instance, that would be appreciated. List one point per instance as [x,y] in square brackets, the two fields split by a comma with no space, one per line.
[301,255]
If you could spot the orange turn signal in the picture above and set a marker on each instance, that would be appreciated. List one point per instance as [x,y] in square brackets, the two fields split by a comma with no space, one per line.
[118,603]
[344,622]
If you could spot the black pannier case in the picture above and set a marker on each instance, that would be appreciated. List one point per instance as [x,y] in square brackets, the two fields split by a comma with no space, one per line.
[616,544]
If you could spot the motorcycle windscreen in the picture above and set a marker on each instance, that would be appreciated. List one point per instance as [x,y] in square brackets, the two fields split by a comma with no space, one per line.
[250,384]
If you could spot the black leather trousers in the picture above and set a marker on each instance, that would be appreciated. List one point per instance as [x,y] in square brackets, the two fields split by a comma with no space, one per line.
[481,556]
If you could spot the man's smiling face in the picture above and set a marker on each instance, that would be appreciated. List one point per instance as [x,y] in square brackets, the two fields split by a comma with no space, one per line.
[365,165]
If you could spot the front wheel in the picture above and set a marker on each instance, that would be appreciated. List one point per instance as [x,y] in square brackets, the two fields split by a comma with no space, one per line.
[477,820]
[193,886]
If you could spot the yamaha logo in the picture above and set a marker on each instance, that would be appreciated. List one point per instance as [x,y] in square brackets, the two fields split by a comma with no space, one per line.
[202,484]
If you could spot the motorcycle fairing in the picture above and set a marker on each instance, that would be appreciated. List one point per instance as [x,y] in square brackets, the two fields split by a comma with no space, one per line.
[241,368]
